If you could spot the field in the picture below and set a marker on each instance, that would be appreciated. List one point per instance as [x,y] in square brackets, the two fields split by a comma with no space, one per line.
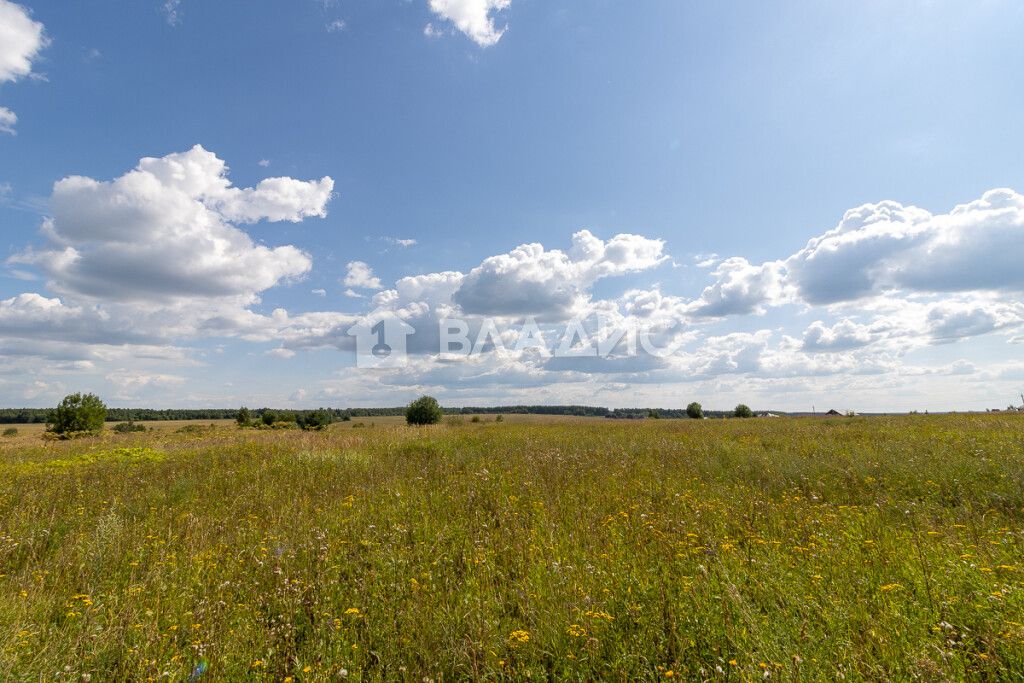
[791,549]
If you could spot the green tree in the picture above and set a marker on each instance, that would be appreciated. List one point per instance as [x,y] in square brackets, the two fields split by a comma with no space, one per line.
[316,420]
[78,414]
[742,411]
[694,411]
[423,411]
[244,417]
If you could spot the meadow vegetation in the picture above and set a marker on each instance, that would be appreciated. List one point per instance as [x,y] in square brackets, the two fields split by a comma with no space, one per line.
[792,549]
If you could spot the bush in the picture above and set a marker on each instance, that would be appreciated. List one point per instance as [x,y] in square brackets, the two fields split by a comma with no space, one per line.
[423,411]
[128,427]
[244,417]
[694,411]
[742,411]
[316,420]
[11,431]
[78,414]
[500,418]
[475,418]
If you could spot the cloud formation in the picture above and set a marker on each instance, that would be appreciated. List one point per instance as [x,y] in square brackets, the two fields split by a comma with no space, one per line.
[361,275]
[530,280]
[21,40]
[472,17]
[166,231]
[883,248]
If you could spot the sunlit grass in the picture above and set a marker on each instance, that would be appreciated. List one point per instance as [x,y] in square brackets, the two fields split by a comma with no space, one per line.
[880,548]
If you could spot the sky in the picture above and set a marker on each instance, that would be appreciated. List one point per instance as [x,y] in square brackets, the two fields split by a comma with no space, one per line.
[813,205]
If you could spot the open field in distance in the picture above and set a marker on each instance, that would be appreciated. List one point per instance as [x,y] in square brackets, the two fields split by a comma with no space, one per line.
[581,549]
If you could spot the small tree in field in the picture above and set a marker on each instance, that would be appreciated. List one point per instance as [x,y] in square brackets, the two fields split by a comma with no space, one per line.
[78,414]
[423,411]
[244,417]
[694,411]
[742,411]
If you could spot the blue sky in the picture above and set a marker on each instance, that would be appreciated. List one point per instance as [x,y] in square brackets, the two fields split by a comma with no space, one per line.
[721,138]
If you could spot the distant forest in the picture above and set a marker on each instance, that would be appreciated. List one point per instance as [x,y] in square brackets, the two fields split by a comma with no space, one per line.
[40,415]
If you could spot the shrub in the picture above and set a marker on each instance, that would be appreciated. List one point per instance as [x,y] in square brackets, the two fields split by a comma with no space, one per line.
[11,431]
[694,411]
[423,411]
[78,414]
[195,429]
[244,417]
[316,420]
[476,418]
[500,418]
[742,411]
[128,427]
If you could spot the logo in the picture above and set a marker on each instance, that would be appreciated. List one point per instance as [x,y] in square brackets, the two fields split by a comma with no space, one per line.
[381,340]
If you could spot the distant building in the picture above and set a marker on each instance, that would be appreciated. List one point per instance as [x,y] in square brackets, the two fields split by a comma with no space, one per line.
[833,412]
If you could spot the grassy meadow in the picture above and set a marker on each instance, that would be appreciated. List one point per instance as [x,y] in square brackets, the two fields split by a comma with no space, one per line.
[791,549]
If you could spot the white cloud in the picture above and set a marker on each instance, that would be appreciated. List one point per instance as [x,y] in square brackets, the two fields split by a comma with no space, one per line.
[530,280]
[8,119]
[165,231]
[21,40]
[263,163]
[353,294]
[361,275]
[842,336]
[320,292]
[129,382]
[471,17]
[883,248]
[335,26]
[740,288]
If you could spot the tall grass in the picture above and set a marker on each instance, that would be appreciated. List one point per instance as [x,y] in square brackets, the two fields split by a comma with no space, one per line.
[864,548]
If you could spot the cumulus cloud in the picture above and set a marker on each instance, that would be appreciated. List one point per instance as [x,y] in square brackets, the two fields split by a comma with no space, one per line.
[155,256]
[21,40]
[882,248]
[472,17]
[530,280]
[842,336]
[361,275]
[166,231]
[740,288]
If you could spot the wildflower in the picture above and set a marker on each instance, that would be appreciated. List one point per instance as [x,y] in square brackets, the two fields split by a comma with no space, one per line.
[890,587]
[576,631]
[732,662]
[352,611]
[519,637]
